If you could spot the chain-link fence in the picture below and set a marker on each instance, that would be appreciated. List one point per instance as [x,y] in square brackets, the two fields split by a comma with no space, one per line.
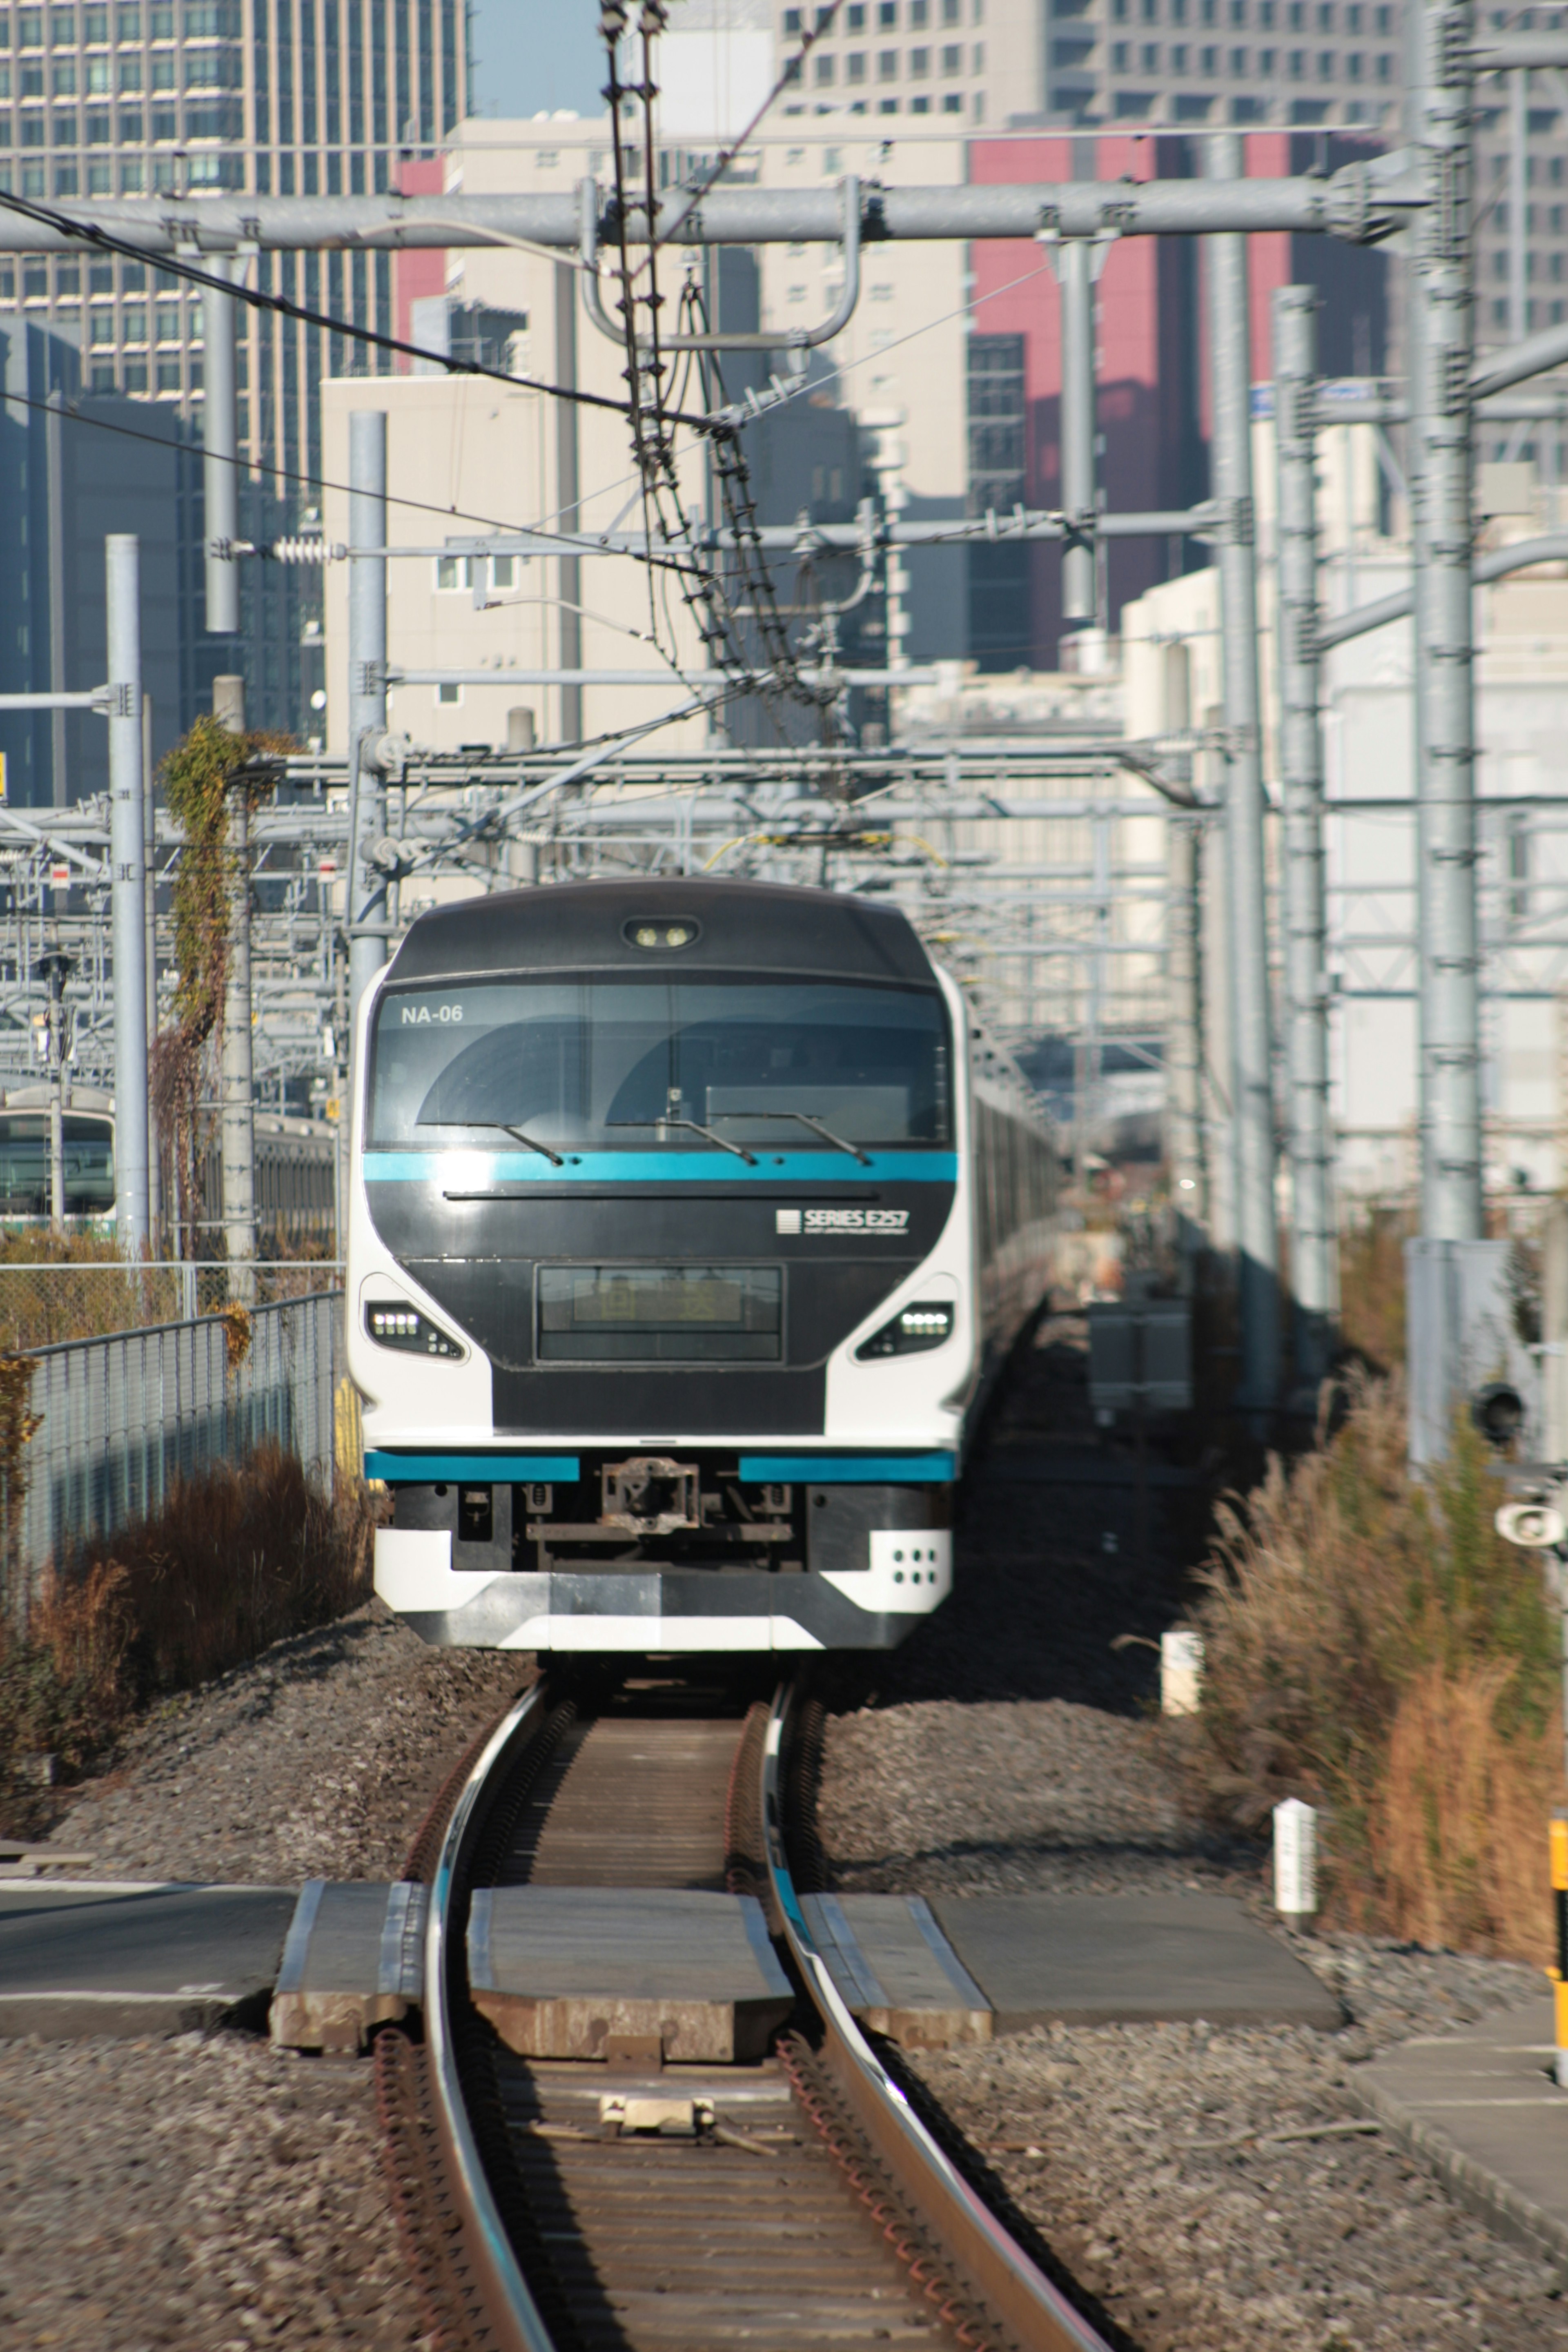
[98,1429]
[45,1302]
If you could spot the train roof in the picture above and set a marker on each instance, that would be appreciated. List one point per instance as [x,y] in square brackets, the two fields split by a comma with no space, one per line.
[740,925]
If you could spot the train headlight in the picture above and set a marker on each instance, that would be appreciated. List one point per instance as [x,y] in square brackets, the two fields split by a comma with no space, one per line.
[393,1323]
[925,1323]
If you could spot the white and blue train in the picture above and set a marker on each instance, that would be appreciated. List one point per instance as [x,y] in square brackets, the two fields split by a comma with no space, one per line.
[689,1219]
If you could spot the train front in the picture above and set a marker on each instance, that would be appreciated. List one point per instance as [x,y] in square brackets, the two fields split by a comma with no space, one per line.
[661,1269]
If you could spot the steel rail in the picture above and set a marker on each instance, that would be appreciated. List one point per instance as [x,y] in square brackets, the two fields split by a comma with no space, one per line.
[1003,2272]
[987,2261]
[509,2308]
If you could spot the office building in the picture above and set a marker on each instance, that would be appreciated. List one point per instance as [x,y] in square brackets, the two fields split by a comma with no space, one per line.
[139,98]
[992,63]
[65,484]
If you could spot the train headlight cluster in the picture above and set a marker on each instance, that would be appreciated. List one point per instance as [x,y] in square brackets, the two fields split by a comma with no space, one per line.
[926,1323]
[391,1323]
[656,933]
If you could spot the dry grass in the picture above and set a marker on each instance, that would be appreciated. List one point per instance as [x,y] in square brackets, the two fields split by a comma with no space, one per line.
[1372,1286]
[235,1560]
[1374,1647]
[1456,1823]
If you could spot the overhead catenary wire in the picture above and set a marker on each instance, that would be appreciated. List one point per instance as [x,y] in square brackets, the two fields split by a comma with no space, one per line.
[284,306]
[701,579]
[585,542]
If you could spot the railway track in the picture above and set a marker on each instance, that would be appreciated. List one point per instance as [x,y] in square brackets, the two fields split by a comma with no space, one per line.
[797,2201]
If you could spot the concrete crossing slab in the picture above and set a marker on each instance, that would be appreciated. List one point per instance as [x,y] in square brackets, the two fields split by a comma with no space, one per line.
[1484,2108]
[79,1958]
[354,1958]
[1103,1959]
[596,1971]
[896,1969]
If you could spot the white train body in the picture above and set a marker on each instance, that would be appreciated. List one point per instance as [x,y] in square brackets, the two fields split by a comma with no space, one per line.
[687,1220]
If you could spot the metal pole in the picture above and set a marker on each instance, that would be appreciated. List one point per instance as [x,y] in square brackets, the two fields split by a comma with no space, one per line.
[1230,371]
[122,583]
[149,906]
[366,889]
[54,469]
[1312,1235]
[1518,183]
[59,1045]
[238,1124]
[1075,273]
[367,689]
[1183,974]
[1440,423]
[570,567]
[220,452]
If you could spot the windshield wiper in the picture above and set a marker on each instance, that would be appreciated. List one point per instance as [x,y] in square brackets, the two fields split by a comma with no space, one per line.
[806,1120]
[692,1127]
[499,1126]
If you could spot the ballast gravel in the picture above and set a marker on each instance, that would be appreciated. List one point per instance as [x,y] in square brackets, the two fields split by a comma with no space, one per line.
[209,2194]
[319,1759]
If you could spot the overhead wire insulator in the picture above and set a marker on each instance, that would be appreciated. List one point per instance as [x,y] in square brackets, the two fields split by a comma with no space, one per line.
[307,551]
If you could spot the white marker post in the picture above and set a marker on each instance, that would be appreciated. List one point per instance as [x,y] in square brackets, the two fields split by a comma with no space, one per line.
[1181,1672]
[1295,1863]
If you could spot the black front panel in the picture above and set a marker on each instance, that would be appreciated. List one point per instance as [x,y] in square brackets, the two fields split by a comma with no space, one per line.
[480,1259]
[661,1403]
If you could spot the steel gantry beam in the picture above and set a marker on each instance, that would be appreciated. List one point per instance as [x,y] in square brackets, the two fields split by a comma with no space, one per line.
[1361,203]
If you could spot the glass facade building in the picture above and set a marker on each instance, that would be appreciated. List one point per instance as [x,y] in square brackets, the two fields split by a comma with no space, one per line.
[144,98]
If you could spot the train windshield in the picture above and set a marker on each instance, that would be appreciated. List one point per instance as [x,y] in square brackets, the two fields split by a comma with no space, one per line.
[24,1164]
[795,1065]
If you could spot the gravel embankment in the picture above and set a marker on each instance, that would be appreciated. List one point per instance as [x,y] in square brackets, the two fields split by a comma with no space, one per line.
[1132,2150]
[205,2194]
[212,2193]
[317,1760]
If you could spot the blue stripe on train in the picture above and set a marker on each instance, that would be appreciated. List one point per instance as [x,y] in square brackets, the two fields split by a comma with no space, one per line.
[756,1469]
[468,1169]
[497,1469]
[849,1469]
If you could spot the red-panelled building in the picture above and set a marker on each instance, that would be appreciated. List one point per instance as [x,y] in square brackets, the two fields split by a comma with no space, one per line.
[419,270]
[1153,402]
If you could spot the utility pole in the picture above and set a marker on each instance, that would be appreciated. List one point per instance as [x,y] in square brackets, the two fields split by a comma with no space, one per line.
[1076,258]
[1313,1268]
[54,470]
[237,1122]
[1252,1108]
[1184,968]
[365,896]
[1442,354]
[126,896]
[220,451]
[569,568]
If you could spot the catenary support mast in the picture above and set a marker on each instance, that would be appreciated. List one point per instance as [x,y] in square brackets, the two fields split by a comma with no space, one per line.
[1313,1255]
[1252,1108]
